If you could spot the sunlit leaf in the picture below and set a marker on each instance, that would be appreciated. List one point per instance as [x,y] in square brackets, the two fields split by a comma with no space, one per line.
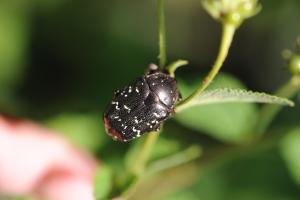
[259,176]
[232,122]
[227,95]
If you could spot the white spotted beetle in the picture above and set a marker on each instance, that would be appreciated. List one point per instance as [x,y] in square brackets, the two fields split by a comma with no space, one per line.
[142,106]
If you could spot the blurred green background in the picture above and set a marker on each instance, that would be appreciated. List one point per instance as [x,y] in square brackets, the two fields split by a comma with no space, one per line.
[61,60]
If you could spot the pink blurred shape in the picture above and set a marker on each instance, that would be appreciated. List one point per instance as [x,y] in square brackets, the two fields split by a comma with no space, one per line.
[36,161]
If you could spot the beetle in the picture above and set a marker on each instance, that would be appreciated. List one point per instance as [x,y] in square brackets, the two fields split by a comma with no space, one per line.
[142,106]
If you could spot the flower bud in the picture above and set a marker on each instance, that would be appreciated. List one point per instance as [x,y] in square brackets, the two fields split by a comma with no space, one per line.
[293,58]
[231,11]
[294,65]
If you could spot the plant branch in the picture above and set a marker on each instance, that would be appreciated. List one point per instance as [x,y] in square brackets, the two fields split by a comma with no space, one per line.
[146,149]
[138,167]
[227,36]
[162,34]
[180,158]
[188,155]
[144,154]
[175,65]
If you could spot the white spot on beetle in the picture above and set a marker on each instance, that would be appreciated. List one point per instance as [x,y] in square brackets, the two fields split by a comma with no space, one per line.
[136,121]
[127,108]
[137,90]
[155,114]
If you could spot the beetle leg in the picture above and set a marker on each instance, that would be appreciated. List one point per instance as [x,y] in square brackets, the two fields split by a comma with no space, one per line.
[172,113]
[157,128]
[179,97]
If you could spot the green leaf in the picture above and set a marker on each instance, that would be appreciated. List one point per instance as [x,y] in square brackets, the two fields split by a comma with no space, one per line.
[227,95]
[232,122]
[257,175]
[103,182]
[290,149]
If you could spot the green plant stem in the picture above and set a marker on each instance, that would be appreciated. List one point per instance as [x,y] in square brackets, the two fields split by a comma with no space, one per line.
[141,161]
[144,154]
[188,155]
[126,194]
[180,158]
[140,164]
[173,66]
[162,34]
[268,112]
[227,36]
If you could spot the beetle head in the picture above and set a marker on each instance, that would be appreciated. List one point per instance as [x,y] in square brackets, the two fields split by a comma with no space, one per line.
[152,69]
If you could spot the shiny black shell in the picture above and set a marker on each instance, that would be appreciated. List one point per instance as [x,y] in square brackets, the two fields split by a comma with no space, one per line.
[142,106]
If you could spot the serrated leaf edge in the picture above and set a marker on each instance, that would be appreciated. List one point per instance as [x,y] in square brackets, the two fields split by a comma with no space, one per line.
[228,95]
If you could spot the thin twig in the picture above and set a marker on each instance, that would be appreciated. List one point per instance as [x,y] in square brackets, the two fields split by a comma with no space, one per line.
[162,34]
[143,156]
[227,36]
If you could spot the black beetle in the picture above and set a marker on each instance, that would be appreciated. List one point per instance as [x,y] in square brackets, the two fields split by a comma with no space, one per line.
[142,106]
